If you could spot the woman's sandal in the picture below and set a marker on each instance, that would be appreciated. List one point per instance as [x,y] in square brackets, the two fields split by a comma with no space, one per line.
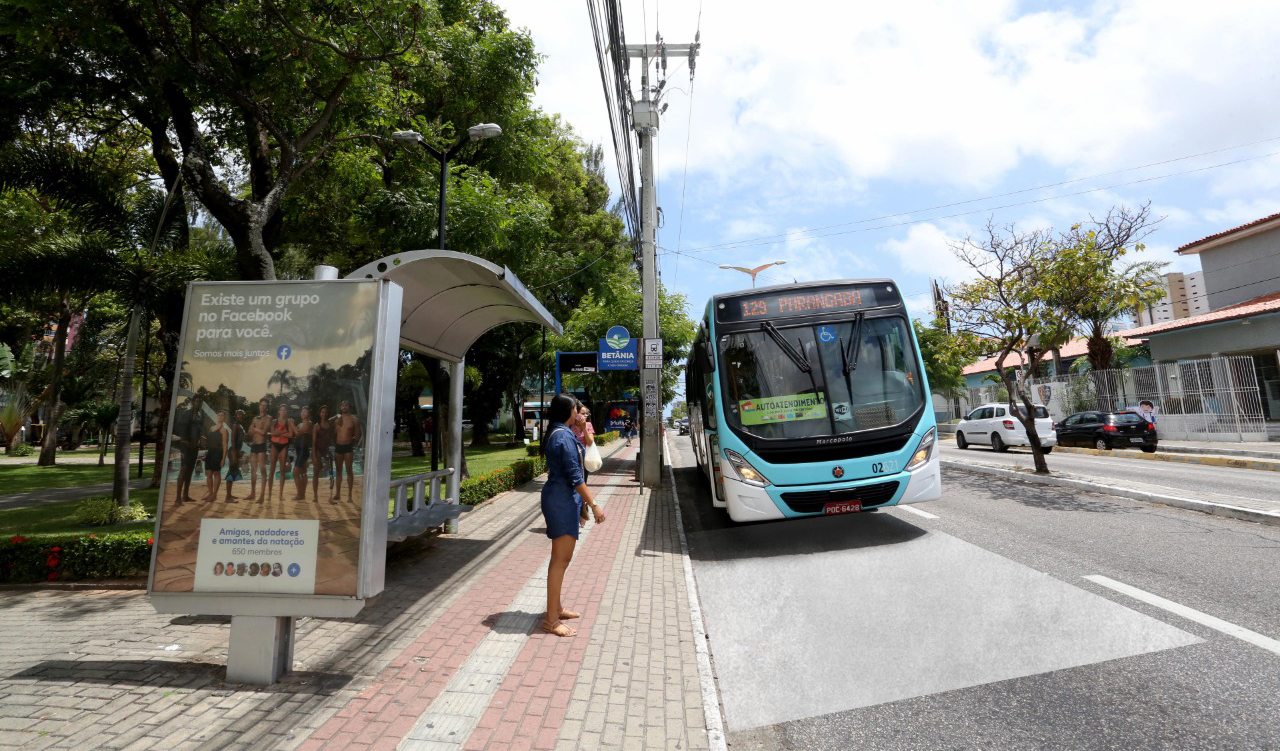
[559,629]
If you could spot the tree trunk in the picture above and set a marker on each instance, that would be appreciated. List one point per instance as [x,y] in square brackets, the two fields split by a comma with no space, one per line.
[49,446]
[102,448]
[1025,414]
[517,421]
[415,431]
[120,483]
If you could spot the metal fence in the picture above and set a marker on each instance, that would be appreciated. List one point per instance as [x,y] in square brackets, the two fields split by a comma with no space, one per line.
[1212,399]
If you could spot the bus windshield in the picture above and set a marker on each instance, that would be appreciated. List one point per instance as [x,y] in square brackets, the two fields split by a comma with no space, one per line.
[816,380]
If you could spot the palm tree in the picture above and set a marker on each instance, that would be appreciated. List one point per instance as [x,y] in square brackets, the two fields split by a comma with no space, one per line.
[283,377]
[15,407]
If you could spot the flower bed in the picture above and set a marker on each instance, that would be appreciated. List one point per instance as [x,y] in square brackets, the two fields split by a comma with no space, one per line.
[92,556]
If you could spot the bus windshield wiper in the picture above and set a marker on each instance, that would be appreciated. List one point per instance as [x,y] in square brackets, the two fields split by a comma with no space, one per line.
[800,360]
[849,355]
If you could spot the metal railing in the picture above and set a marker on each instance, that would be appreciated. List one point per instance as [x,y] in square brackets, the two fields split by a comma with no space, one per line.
[413,512]
[1208,399]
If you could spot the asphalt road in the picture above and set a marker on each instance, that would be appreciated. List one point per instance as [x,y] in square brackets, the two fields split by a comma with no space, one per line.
[978,629]
[1171,478]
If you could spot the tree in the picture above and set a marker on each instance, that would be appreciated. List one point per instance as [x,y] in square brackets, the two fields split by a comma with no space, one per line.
[284,377]
[945,356]
[598,312]
[1094,285]
[1006,310]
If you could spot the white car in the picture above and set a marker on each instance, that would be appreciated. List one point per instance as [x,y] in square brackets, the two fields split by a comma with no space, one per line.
[993,425]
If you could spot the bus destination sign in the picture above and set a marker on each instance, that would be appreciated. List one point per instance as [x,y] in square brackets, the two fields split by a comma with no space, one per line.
[806,302]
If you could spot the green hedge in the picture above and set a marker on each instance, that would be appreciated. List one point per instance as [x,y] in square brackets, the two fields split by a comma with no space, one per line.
[481,488]
[103,556]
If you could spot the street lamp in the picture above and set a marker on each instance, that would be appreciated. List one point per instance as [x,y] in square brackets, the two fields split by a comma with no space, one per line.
[754,271]
[474,133]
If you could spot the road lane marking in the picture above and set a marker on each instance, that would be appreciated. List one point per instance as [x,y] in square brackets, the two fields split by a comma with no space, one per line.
[710,697]
[918,512]
[1204,619]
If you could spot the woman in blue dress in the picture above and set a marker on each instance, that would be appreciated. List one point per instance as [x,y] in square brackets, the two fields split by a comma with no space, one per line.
[563,495]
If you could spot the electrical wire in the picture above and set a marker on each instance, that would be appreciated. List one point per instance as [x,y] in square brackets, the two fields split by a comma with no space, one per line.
[754,241]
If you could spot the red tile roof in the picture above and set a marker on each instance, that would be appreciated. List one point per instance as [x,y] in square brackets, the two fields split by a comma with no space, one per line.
[1256,225]
[1078,347]
[1269,303]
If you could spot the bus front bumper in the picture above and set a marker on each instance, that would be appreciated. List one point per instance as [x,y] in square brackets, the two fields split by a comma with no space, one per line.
[749,503]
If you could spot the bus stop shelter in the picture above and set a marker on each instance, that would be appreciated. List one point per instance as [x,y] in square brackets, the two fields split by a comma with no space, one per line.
[450,300]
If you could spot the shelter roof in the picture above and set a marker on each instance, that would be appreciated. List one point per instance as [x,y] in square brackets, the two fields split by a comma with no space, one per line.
[451,299]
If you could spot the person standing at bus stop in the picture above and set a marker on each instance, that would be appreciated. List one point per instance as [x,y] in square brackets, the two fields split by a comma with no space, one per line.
[563,495]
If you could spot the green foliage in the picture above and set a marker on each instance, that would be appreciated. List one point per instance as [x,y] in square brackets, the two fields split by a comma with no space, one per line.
[22,450]
[101,556]
[945,356]
[533,448]
[604,439]
[476,490]
[100,511]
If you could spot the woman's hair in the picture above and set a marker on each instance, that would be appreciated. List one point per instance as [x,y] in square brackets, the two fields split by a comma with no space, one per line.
[562,408]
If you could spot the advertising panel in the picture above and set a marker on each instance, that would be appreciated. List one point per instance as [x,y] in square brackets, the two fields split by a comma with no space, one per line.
[265,480]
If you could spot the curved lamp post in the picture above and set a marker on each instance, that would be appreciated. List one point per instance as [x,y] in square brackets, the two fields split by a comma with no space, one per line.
[474,133]
[752,272]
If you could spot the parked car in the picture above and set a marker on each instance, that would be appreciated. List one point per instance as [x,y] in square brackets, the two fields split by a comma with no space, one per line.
[1108,430]
[993,425]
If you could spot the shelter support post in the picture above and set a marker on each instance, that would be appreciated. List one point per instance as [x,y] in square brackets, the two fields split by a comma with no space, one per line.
[261,649]
[456,371]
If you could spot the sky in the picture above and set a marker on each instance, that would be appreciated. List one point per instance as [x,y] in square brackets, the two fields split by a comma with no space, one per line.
[866,139]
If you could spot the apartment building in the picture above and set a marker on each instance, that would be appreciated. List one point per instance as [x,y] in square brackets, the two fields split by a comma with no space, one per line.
[1185,296]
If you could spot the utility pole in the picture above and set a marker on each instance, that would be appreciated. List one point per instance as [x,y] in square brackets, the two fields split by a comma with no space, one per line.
[645,112]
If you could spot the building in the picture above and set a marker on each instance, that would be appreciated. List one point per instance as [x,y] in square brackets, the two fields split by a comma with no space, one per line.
[1241,268]
[1185,296]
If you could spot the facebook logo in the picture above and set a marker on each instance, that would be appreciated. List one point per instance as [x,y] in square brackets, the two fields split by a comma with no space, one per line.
[284,351]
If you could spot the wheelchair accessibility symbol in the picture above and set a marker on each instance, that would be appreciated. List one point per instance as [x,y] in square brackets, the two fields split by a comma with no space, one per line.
[826,334]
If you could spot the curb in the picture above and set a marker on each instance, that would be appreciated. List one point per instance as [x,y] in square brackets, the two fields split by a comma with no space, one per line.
[1191,504]
[1270,465]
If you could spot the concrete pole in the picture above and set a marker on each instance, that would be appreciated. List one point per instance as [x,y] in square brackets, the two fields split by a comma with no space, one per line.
[650,378]
[456,371]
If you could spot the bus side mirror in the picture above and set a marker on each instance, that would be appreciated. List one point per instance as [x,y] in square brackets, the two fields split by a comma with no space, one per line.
[708,362]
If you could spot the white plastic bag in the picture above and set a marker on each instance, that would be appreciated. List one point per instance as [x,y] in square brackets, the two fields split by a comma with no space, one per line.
[592,460]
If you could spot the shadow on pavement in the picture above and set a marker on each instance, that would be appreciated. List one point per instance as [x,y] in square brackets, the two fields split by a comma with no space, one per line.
[714,537]
[511,621]
[1046,497]
[172,673]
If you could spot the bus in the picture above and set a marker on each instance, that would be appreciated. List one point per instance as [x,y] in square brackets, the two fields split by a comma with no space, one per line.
[809,400]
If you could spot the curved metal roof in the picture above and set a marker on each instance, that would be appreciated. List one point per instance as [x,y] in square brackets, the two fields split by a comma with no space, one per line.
[451,298]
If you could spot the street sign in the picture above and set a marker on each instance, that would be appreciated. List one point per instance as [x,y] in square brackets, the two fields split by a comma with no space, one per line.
[653,353]
[618,351]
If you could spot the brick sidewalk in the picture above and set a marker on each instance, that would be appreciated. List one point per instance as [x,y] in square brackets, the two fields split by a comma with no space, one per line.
[450,656]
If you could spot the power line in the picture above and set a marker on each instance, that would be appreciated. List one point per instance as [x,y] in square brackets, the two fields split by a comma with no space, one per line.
[755,241]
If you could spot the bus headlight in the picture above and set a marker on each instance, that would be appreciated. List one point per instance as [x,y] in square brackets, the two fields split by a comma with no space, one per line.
[746,472]
[924,451]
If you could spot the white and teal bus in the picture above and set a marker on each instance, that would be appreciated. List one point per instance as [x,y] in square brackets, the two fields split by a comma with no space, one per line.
[811,399]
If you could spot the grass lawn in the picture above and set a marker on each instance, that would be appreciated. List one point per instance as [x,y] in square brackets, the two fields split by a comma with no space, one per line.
[19,478]
[58,519]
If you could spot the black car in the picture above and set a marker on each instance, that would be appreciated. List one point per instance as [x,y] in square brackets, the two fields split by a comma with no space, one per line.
[683,425]
[1107,430]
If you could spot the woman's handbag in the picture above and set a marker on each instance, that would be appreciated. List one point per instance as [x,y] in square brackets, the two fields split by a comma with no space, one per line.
[592,460]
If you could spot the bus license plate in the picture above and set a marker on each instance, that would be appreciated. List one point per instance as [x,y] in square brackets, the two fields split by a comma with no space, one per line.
[843,507]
